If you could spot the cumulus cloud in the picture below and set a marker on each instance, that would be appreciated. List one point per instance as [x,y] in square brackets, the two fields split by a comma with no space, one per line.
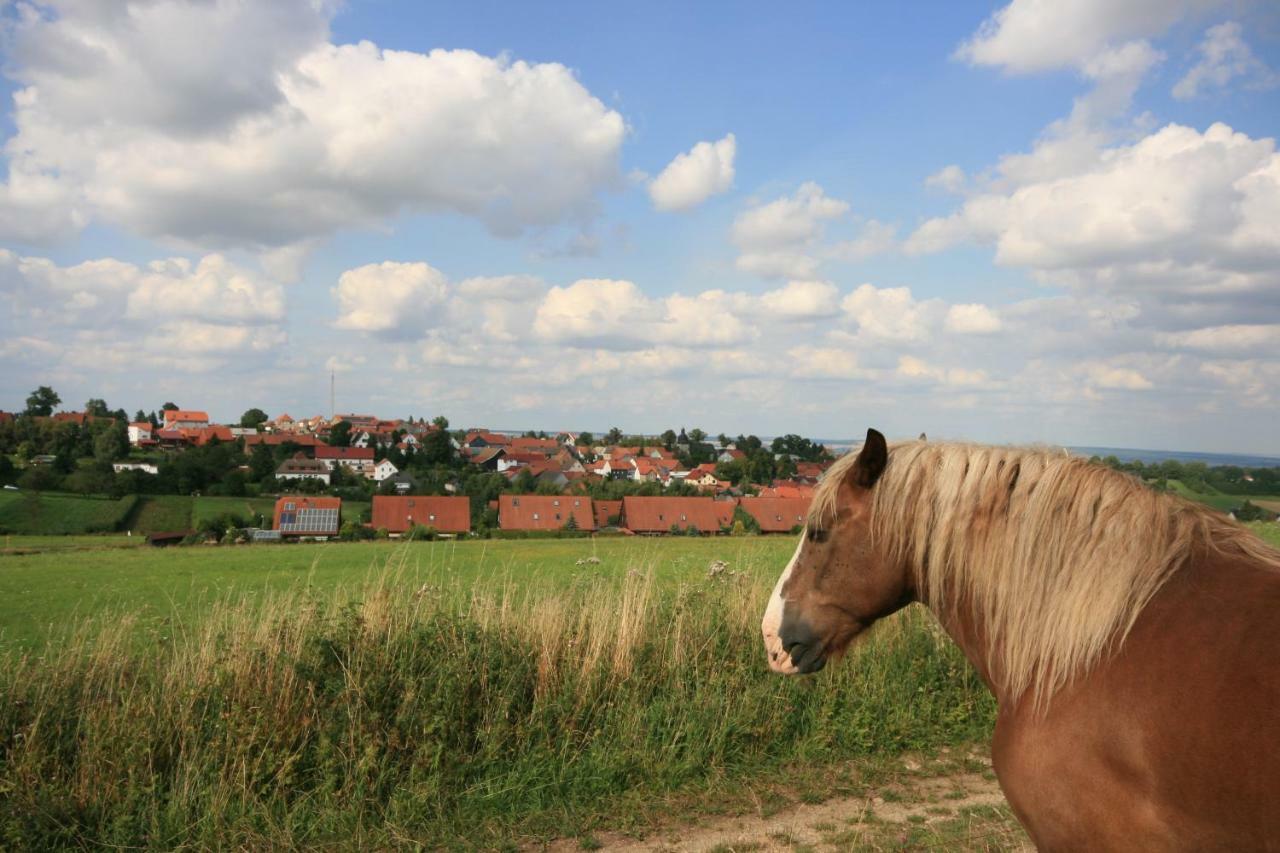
[890,313]
[694,176]
[1224,57]
[972,319]
[1027,36]
[1112,377]
[949,179]
[110,315]
[616,314]
[240,125]
[777,239]
[802,300]
[1176,193]
[1238,338]
[390,297]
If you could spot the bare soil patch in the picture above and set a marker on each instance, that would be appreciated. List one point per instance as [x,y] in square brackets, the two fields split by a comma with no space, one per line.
[941,804]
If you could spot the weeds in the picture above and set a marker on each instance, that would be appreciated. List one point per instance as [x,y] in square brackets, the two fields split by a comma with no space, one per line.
[408,714]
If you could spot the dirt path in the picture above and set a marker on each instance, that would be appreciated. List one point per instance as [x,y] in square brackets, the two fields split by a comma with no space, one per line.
[957,811]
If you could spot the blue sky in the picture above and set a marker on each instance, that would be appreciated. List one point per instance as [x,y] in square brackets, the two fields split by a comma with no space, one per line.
[1000,222]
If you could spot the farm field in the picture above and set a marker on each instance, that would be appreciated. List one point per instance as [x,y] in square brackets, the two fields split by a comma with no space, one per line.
[56,514]
[24,513]
[484,693]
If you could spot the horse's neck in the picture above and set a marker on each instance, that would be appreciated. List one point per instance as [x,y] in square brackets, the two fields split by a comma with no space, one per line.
[965,629]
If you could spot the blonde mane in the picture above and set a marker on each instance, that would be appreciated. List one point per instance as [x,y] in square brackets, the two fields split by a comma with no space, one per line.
[1054,555]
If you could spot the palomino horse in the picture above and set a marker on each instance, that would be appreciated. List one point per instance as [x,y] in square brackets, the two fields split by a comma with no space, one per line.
[1132,639]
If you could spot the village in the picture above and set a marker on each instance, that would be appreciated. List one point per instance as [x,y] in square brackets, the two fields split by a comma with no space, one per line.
[417,478]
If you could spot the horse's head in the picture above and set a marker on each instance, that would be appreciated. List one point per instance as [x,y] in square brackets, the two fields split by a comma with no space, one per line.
[838,582]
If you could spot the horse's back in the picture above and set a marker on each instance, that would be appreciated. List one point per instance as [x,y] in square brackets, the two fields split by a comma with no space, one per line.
[1173,742]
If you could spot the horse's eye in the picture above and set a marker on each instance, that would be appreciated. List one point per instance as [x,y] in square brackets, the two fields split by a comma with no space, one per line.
[817,535]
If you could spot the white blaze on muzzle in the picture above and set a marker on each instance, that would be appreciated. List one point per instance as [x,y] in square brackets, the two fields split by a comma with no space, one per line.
[771,627]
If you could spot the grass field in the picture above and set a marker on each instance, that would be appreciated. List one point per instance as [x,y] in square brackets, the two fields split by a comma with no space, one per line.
[46,514]
[477,693]
[1221,501]
[56,514]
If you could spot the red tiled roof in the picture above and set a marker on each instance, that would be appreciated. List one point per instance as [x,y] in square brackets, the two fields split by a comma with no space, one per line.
[777,515]
[201,437]
[606,510]
[361,454]
[301,504]
[398,513]
[787,489]
[273,439]
[489,438]
[517,512]
[544,446]
[171,415]
[657,514]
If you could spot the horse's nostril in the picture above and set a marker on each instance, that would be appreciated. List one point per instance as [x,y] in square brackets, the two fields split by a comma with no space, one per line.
[773,655]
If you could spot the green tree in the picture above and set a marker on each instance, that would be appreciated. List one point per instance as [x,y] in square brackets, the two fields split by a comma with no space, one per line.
[97,407]
[441,423]
[669,439]
[340,434]
[41,402]
[586,438]
[614,436]
[253,418]
[169,407]
[112,443]
[139,416]
[697,436]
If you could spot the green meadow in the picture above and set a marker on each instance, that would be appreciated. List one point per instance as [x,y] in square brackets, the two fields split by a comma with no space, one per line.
[475,694]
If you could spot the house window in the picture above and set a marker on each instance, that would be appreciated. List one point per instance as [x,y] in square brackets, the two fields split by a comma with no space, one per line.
[660,518]
[557,516]
[431,517]
[555,503]
[577,503]
[535,516]
[411,503]
[684,517]
[290,506]
[515,502]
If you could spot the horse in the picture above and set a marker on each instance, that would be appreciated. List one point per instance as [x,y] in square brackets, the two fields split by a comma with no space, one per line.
[1131,638]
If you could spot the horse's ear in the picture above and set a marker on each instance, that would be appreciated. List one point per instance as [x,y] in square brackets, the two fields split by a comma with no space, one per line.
[871,460]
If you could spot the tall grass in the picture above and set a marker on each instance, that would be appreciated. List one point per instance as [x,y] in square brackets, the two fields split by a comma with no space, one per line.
[438,713]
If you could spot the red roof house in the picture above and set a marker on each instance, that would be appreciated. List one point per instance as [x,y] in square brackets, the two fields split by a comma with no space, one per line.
[606,510]
[544,512]
[658,514]
[398,513]
[777,515]
[299,515]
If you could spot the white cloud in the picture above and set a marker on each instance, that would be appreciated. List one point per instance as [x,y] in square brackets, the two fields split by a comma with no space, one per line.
[802,300]
[1176,193]
[1032,35]
[693,177]
[776,239]
[266,134]
[1226,339]
[1224,57]
[949,179]
[876,238]
[913,368]
[390,297]
[890,313]
[616,314]
[1112,377]
[808,362]
[972,319]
